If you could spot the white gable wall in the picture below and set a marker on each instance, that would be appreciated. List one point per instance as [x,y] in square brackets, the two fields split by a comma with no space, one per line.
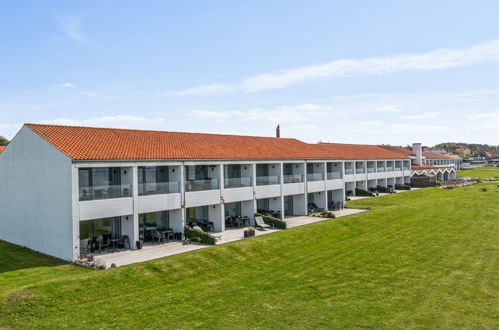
[35,196]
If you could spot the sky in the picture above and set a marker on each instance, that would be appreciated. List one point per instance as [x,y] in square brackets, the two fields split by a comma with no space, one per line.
[393,72]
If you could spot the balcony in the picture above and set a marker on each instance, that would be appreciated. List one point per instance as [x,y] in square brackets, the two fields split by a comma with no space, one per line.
[268,180]
[360,170]
[371,170]
[315,176]
[105,192]
[293,178]
[203,184]
[389,169]
[381,169]
[159,188]
[333,175]
[238,182]
[348,170]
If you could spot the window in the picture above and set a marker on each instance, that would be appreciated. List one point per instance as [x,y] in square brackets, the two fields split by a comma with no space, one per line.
[100,227]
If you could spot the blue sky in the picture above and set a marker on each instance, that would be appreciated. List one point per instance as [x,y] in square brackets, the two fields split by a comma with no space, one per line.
[345,71]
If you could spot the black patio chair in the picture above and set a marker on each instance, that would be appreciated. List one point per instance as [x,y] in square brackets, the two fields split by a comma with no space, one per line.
[123,242]
[100,244]
[156,236]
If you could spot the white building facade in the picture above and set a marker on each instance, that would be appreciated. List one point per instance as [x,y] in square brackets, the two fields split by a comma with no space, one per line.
[52,199]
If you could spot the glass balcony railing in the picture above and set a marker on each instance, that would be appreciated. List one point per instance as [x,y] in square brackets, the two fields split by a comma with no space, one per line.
[348,170]
[333,175]
[268,180]
[105,192]
[315,176]
[159,188]
[406,168]
[371,170]
[200,185]
[360,170]
[238,182]
[389,169]
[293,178]
[398,168]
[381,169]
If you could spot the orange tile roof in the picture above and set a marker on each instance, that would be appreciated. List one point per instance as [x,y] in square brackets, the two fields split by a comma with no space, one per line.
[90,143]
[1,148]
[359,151]
[398,149]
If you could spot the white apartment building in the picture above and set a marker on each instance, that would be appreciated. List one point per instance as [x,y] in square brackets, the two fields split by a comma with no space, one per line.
[61,184]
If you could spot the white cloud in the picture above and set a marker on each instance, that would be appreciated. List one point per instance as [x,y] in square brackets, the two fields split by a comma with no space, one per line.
[487,121]
[433,60]
[283,114]
[381,128]
[390,108]
[65,85]
[97,96]
[215,89]
[72,29]
[118,121]
[424,115]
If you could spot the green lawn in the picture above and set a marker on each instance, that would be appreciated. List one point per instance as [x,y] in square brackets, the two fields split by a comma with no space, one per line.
[426,258]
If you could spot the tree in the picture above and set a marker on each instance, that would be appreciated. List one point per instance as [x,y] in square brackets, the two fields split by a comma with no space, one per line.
[3,141]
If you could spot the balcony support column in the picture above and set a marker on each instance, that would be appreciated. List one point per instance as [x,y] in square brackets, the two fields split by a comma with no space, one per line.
[222,202]
[130,223]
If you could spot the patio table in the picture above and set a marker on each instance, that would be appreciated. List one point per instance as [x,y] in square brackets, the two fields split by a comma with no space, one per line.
[114,243]
[166,234]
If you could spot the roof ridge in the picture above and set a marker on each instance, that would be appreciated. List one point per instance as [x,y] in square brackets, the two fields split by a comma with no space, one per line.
[157,131]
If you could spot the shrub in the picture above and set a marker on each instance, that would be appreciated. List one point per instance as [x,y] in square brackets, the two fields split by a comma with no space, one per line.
[198,236]
[484,189]
[362,192]
[324,214]
[277,223]
[402,187]
[382,189]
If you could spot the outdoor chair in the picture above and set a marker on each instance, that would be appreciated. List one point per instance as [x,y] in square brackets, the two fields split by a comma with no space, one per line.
[156,235]
[217,237]
[100,244]
[124,242]
[237,222]
[259,223]
[229,221]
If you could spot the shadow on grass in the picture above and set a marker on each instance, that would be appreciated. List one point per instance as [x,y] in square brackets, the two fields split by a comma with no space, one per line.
[14,257]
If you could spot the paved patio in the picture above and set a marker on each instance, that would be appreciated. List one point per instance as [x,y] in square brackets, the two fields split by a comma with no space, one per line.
[298,221]
[154,251]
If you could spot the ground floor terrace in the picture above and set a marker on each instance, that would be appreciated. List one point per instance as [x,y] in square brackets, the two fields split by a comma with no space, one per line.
[153,250]
[128,232]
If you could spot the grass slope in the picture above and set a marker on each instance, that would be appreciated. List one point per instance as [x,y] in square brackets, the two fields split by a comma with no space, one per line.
[426,258]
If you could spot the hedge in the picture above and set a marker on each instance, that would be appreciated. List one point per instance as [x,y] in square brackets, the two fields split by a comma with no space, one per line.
[382,189]
[198,236]
[277,223]
[362,192]
[402,187]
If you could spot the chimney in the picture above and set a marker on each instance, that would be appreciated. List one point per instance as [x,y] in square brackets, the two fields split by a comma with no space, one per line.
[278,131]
[418,152]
